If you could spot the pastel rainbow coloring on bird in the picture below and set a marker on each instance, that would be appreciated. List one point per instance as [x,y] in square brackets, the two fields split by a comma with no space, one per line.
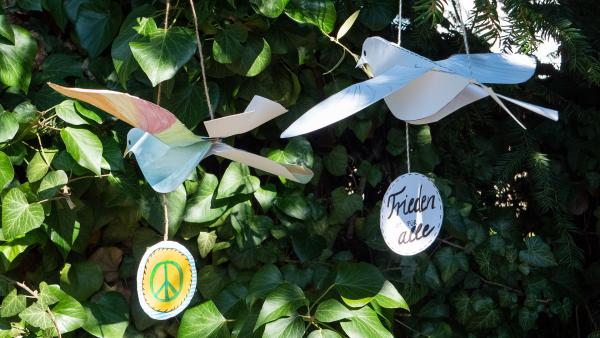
[167,151]
[418,90]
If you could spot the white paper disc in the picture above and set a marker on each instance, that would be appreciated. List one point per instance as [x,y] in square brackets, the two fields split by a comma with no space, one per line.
[411,214]
[166,280]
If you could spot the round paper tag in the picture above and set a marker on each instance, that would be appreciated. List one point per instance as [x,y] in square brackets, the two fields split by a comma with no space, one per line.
[166,280]
[411,214]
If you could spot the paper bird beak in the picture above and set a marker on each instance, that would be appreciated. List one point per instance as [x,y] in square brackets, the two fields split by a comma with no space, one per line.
[126,152]
[361,62]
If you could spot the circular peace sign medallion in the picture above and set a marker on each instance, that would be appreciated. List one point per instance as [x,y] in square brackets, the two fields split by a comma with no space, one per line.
[166,280]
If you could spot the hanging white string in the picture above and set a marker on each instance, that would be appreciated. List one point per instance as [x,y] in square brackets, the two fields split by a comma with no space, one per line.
[406,123]
[399,21]
[459,9]
[407,149]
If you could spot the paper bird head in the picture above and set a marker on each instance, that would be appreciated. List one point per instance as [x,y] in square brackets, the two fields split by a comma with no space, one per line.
[419,90]
[167,152]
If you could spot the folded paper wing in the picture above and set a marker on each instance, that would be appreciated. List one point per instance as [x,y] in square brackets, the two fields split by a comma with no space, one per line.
[492,67]
[292,172]
[136,112]
[352,99]
[259,111]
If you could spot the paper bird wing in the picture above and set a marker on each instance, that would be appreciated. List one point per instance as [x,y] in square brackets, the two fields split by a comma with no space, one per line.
[492,67]
[545,112]
[295,173]
[352,99]
[165,167]
[467,96]
[136,112]
[426,95]
[259,111]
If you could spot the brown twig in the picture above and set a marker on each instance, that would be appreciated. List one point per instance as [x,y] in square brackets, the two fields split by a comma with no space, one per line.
[201,56]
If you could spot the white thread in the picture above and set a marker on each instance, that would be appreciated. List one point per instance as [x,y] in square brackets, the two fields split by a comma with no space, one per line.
[399,21]
[407,148]
[465,39]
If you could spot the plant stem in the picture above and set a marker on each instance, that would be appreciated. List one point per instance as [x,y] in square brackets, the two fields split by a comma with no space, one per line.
[320,297]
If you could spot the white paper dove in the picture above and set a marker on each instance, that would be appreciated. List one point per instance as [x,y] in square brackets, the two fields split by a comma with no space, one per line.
[418,90]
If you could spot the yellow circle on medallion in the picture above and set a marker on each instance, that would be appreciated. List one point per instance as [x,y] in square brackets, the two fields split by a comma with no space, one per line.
[167,279]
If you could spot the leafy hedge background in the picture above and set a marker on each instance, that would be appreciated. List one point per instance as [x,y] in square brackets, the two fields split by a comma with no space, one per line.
[518,253]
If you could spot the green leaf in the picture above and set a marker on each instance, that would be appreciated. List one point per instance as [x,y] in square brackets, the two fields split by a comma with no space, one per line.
[81,280]
[121,54]
[203,320]
[270,8]
[266,279]
[332,310]
[51,184]
[320,13]
[9,126]
[537,253]
[449,262]
[84,146]
[97,24]
[336,161]
[294,205]
[151,208]
[298,151]
[31,5]
[61,66]
[47,295]
[266,196]
[7,173]
[283,301]
[308,247]
[13,304]
[56,9]
[162,53]
[347,25]
[9,251]
[324,333]
[66,112]
[365,323]
[68,313]
[39,165]
[206,242]
[199,207]
[16,61]
[237,180]
[18,216]
[107,316]
[292,327]
[344,205]
[358,283]
[189,103]
[378,14]
[228,47]
[6,30]
[371,172]
[389,297]
[255,57]
[37,316]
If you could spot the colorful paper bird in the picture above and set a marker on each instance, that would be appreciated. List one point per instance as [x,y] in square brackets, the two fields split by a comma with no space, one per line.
[418,90]
[167,152]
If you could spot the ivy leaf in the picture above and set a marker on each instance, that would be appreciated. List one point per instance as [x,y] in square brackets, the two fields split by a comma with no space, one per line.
[84,146]
[81,280]
[203,320]
[61,66]
[7,173]
[18,216]
[9,126]
[69,314]
[161,53]
[206,242]
[56,9]
[97,24]
[270,8]
[292,327]
[188,102]
[237,180]
[199,207]
[389,297]
[358,283]
[449,262]
[66,112]
[51,183]
[6,30]
[324,333]
[377,14]
[39,165]
[255,57]
[365,323]
[537,253]
[151,208]
[344,205]
[320,13]
[298,151]
[16,60]
[282,301]
[228,47]
[332,310]
[13,304]
[37,316]
[107,316]
[336,161]
[265,280]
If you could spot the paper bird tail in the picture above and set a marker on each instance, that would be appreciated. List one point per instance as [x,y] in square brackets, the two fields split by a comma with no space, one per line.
[545,112]
[259,111]
[497,99]
[295,173]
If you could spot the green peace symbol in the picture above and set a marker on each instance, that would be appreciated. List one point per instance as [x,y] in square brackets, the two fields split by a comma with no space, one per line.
[166,285]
